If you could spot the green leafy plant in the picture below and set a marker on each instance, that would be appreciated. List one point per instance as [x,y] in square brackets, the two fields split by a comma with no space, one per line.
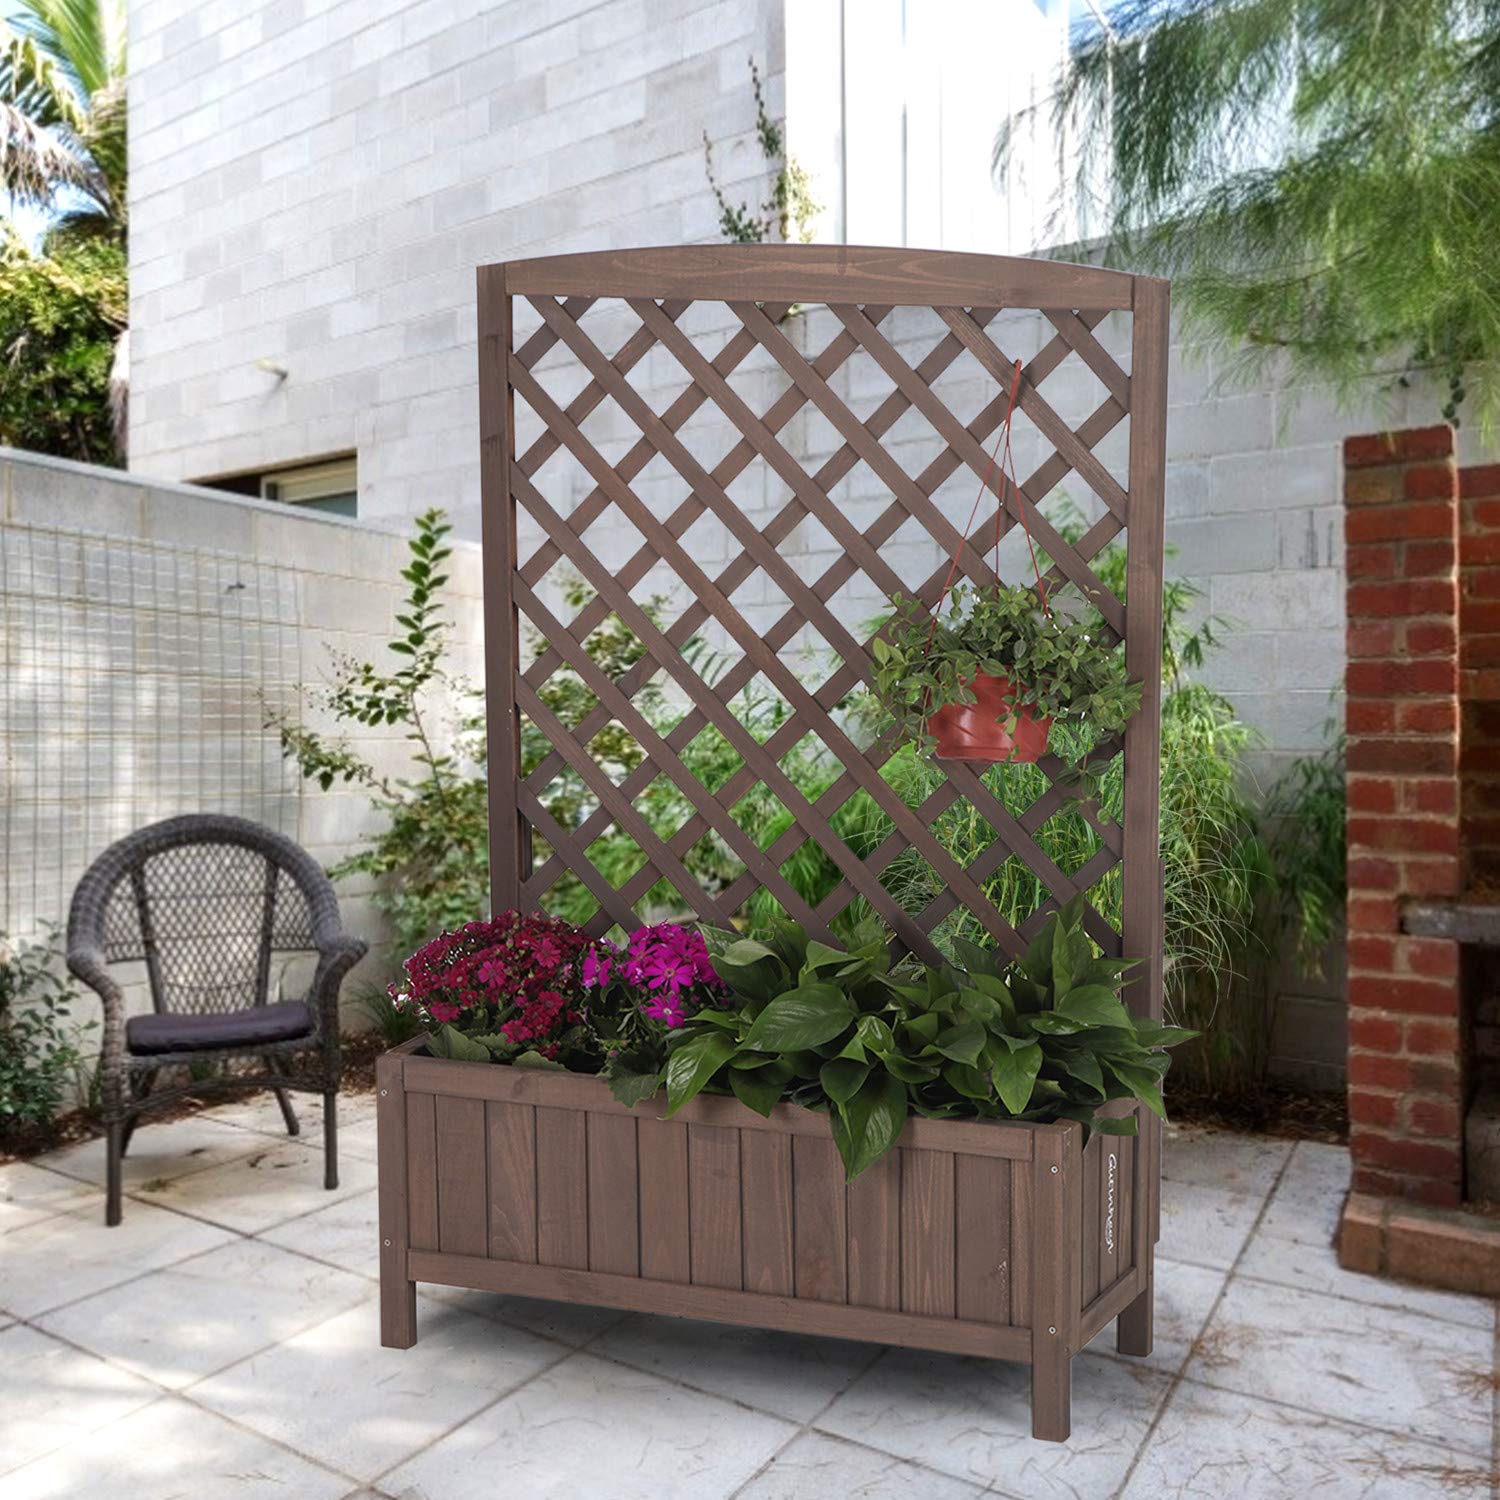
[60,317]
[790,209]
[1306,810]
[430,860]
[39,1042]
[1058,665]
[837,1031]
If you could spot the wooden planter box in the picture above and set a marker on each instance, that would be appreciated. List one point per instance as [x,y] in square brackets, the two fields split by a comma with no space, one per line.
[1012,1241]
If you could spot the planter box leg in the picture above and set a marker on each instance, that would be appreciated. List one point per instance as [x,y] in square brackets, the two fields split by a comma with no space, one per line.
[1052,1397]
[398,1293]
[1133,1328]
[398,1312]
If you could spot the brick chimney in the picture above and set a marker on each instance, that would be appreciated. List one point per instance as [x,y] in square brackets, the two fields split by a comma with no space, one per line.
[1406,1040]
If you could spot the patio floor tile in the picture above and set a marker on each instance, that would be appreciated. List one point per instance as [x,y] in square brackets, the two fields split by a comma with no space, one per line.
[592,1427]
[55,1394]
[260,1112]
[1204,1225]
[159,1152]
[787,1375]
[72,1254]
[1293,1245]
[170,1451]
[1213,1446]
[815,1466]
[29,1193]
[1246,1164]
[1309,1198]
[1373,1366]
[177,1325]
[971,1418]
[345,1233]
[1184,1298]
[334,1394]
[267,1187]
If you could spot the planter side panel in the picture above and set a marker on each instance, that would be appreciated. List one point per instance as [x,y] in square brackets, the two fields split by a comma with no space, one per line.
[1108,1212]
[936,1234]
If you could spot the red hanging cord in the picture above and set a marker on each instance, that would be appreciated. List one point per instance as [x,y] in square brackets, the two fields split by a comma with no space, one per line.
[1002,440]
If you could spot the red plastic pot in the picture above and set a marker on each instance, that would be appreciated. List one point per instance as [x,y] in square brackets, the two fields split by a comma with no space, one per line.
[976,731]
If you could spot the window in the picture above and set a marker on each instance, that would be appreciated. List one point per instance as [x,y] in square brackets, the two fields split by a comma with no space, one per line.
[329,487]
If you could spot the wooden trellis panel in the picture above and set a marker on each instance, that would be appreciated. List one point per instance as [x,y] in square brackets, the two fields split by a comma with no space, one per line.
[860,287]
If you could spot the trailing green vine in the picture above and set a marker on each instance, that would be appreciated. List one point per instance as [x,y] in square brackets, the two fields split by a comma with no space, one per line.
[790,209]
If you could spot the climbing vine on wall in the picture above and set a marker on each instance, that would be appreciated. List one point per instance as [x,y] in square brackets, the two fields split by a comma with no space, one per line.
[790,209]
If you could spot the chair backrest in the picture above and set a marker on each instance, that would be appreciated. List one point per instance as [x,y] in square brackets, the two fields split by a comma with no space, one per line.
[205,900]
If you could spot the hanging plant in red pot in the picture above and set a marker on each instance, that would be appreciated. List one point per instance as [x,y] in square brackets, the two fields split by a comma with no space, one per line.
[984,680]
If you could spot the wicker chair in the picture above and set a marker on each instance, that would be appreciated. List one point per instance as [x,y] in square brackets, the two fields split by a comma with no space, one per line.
[206,900]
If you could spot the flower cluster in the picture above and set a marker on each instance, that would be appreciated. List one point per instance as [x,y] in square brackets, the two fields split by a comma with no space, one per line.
[529,968]
[667,964]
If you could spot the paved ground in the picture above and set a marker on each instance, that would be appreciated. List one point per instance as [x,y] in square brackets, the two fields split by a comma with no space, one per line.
[223,1342]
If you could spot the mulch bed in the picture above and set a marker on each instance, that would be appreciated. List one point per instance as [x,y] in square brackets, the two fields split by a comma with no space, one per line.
[1276,1110]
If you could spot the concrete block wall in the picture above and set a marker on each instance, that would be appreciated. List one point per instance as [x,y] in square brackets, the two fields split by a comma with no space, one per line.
[314,181]
[148,629]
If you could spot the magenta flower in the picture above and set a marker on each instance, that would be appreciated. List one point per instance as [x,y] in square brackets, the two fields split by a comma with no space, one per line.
[598,964]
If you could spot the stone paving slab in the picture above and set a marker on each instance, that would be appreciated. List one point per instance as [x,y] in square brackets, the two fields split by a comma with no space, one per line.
[223,1342]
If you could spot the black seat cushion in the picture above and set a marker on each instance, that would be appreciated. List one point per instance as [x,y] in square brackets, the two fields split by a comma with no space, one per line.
[259,1026]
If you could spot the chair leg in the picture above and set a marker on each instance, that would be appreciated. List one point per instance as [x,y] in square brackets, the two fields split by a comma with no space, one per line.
[114,1151]
[293,1127]
[140,1094]
[330,1140]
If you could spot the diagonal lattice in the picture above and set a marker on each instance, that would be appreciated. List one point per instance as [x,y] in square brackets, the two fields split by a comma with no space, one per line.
[659,446]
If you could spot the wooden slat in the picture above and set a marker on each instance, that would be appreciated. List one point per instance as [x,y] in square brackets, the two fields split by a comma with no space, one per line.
[462,1184]
[927,1228]
[821,1237]
[1055,1268]
[821,273]
[752,1309]
[398,1299]
[512,1190]
[508,847]
[663,1177]
[766,1188]
[1109,1203]
[561,1188]
[421,1177]
[1125,1218]
[575,1091]
[983,1239]
[1141,878]
[1092,1221]
[1022,1218]
[874,1211]
[714,1205]
[614,1222]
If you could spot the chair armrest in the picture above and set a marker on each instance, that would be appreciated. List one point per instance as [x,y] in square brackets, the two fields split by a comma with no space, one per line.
[337,954]
[86,962]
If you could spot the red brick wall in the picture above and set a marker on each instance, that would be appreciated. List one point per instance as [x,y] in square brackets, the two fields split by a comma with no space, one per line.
[1406,1083]
[1479,666]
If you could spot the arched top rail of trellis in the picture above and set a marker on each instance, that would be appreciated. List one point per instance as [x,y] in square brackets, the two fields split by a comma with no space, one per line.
[755,286]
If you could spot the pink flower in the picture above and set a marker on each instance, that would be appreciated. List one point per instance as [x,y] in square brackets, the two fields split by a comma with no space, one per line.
[597,965]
